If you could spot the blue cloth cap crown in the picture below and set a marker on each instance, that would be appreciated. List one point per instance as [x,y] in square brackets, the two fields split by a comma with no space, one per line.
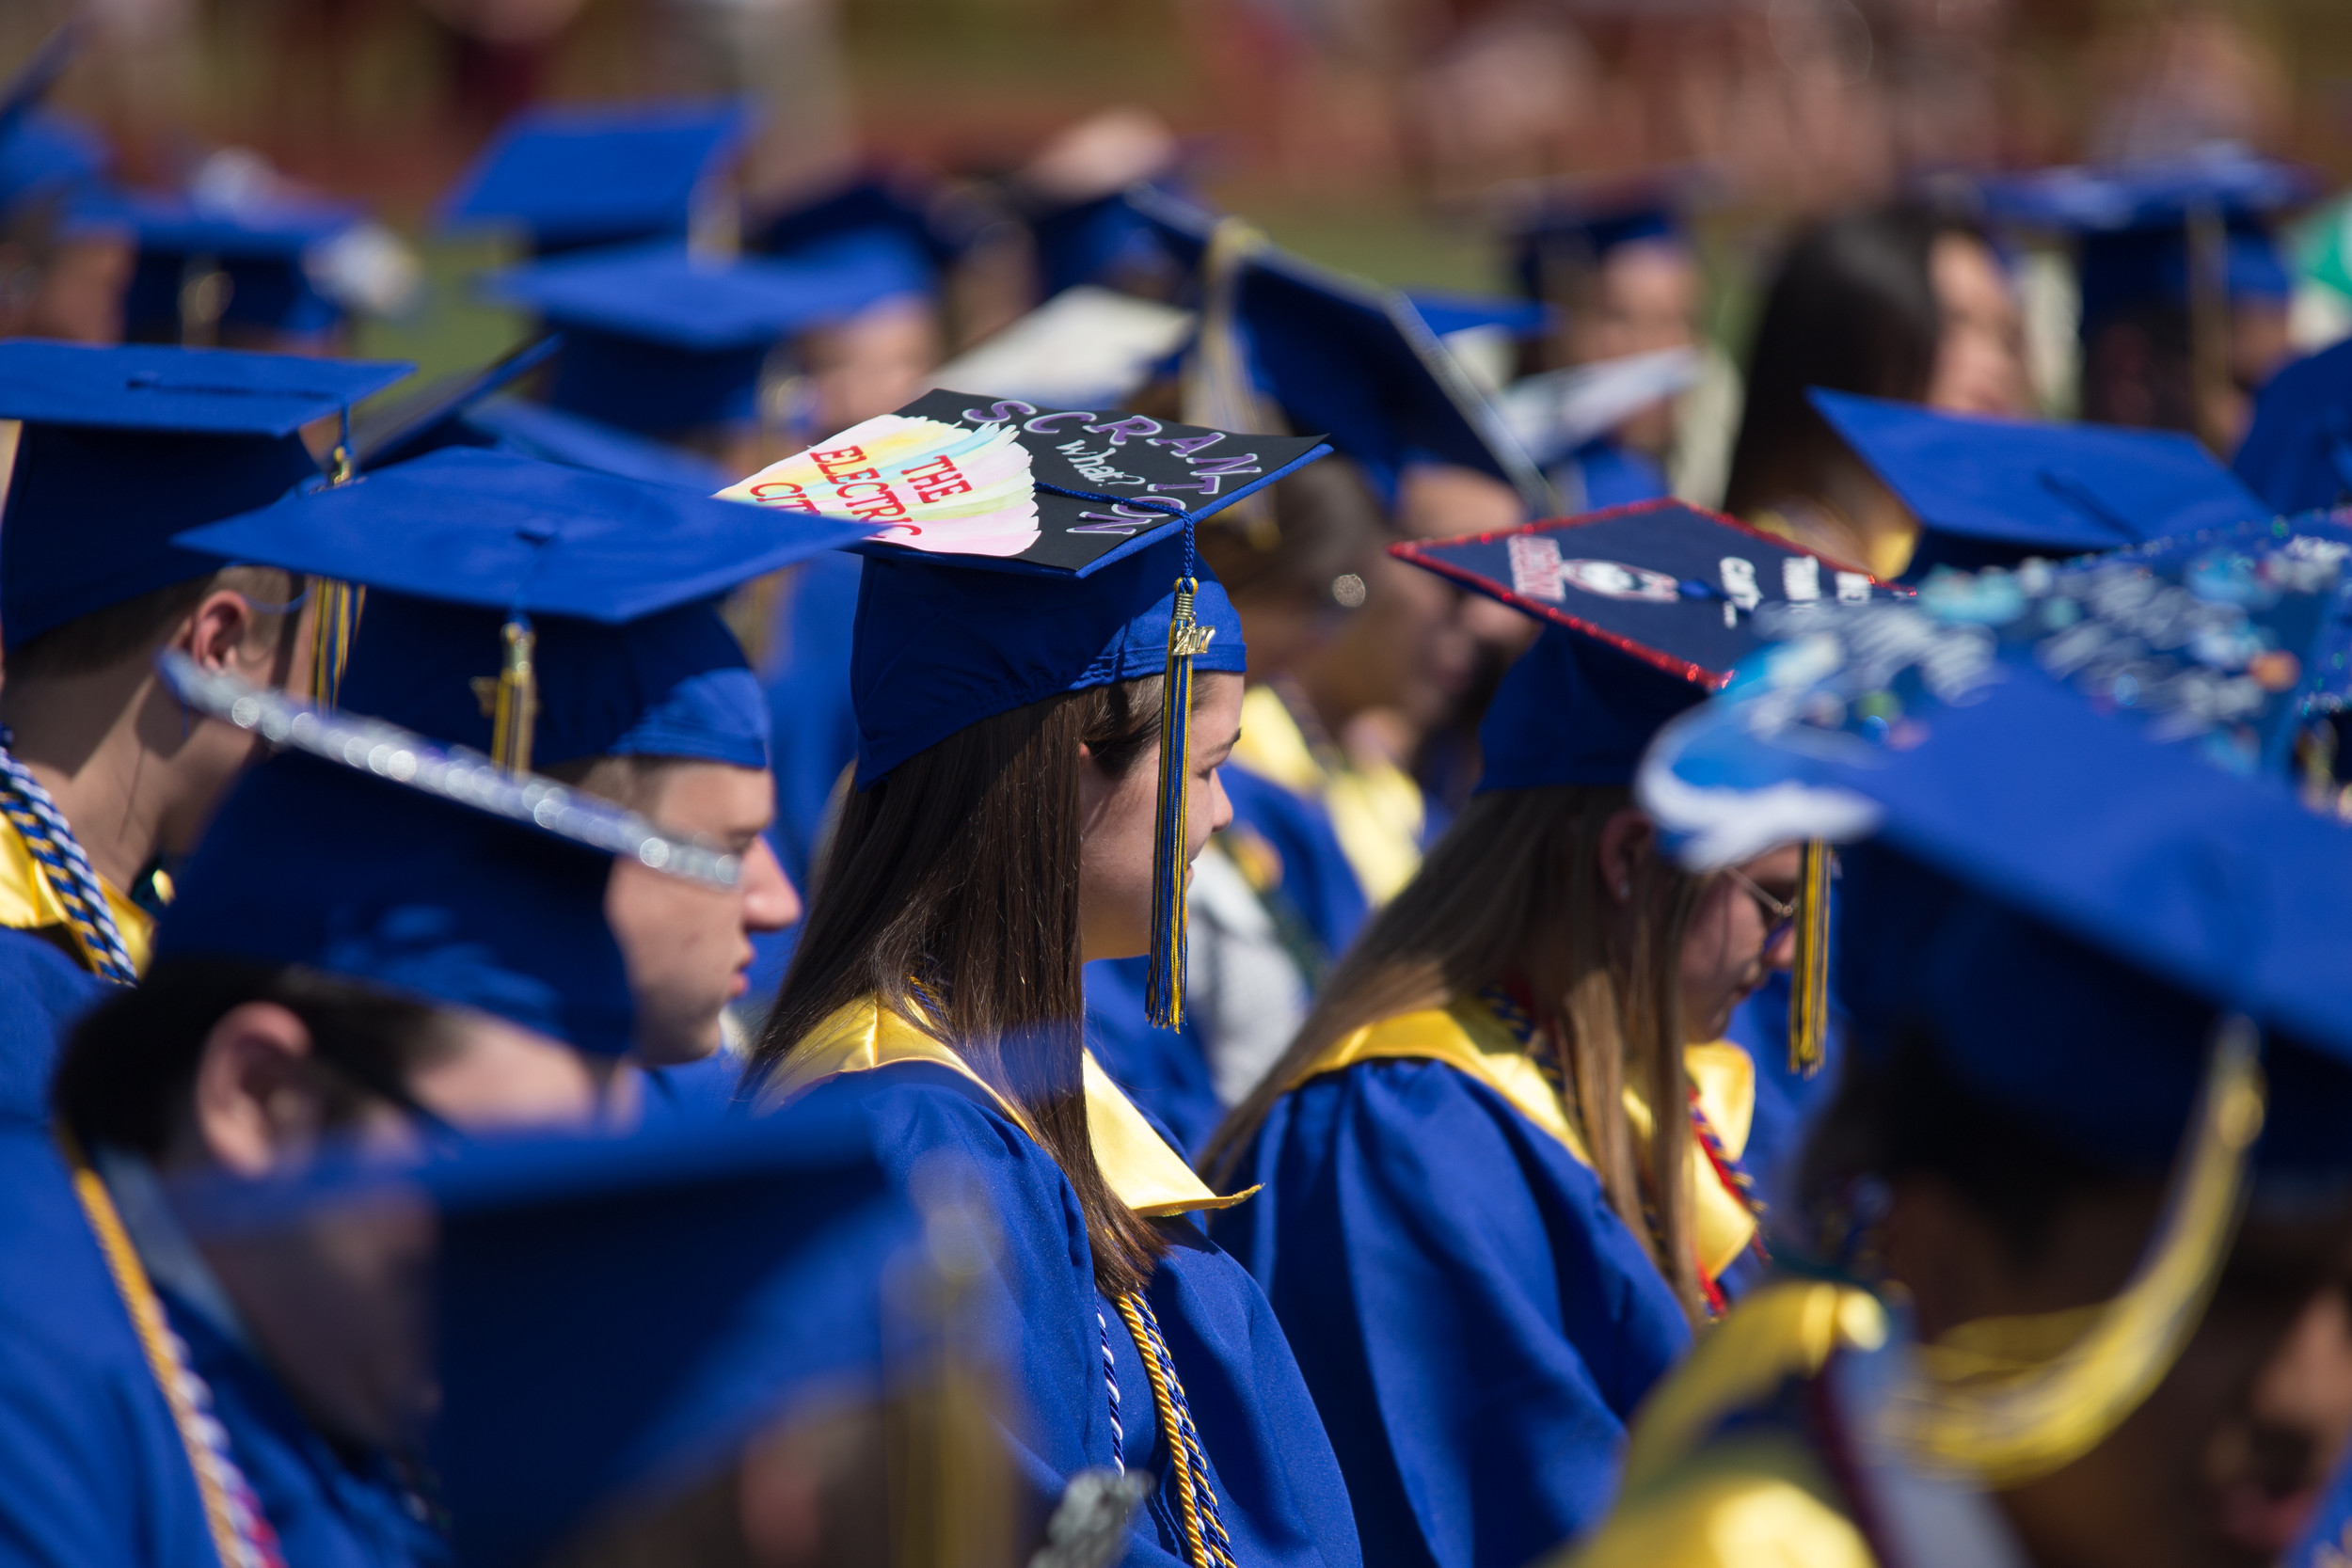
[939,645]
[338,871]
[1572,710]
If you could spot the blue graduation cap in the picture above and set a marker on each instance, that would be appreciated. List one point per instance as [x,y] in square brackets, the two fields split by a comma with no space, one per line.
[2054,858]
[366,851]
[433,416]
[761,1270]
[1992,492]
[1100,240]
[1445,313]
[124,447]
[1341,357]
[538,611]
[928,226]
[1554,228]
[1031,552]
[2134,223]
[1646,609]
[2297,455]
[658,340]
[267,251]
[574,177]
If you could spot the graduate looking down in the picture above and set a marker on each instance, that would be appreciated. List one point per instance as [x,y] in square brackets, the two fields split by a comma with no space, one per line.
[349,961]
[1023,804]
[1500,1163]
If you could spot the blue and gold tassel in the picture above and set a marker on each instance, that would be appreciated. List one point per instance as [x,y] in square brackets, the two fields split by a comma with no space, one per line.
[514,707]
[1808,990]
[335,619]
[1164,989]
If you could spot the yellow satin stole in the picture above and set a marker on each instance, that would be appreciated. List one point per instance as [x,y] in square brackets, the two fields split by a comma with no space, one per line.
[28,903]
[1467,1038]
[1148,1175]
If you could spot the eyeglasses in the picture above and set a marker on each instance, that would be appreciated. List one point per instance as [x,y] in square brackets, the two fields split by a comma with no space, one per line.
[1780,916]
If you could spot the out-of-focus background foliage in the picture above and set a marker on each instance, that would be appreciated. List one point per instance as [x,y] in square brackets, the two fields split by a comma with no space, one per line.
[1361,133]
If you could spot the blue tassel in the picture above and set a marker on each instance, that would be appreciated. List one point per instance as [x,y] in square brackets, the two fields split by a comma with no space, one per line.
[1163,988]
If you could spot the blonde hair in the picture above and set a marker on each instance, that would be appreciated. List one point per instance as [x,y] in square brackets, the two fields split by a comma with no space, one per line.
[1520,869]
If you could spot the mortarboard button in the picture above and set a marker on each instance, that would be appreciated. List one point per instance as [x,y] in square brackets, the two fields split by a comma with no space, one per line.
[122,448]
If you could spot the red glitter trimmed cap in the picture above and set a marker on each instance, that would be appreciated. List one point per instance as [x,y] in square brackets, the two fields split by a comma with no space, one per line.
[1646,609]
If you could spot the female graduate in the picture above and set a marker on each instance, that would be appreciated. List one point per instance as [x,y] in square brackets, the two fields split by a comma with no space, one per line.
[1499,1158]
[1013,819]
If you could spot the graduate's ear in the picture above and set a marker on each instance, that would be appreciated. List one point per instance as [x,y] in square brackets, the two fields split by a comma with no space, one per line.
[220,630]
[254,1095]
[1625,840]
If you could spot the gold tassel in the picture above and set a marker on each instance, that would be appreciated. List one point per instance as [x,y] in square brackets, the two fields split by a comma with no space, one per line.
[334,622]
[515,708]
[2009,1399]
[1808,990]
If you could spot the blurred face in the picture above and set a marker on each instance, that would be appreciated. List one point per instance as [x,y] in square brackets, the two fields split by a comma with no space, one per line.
[1116,816]
[1644,297]
[80,298]
[688,946]
[2224,1464]
[1736,937]
[873,362]
[1981,357]
[339,1307]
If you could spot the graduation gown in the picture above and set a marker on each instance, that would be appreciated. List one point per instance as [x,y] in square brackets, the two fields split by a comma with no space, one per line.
[99,1472]
[1472,1317]
[43,985]
[1271,1468]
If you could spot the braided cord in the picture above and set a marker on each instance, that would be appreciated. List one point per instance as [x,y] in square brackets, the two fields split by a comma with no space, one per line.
[42,826]
[1203,1522]
[1111,1380]
[241,1536]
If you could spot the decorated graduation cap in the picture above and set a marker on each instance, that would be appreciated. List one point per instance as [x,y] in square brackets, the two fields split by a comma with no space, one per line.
[1332,354]
[2297,455]
[124,447]
[1646,609]
[1026,552]
[2142,226]
[574,177]
[369,852]
[2055,891]
[539,613]
[659,339]
[1992,492]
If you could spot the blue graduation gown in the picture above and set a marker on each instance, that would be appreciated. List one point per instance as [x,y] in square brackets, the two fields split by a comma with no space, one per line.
[98,1473]
[42,992]
[1472,1318]
[1165,1071]
[1786,1101]
[1270,1464]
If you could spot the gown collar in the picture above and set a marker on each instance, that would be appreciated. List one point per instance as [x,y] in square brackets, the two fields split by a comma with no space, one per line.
[1150,1177]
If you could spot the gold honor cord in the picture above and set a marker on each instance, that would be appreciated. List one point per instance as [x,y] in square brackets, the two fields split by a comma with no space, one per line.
[516,707]
[2010,1399]
[1808,990]
[155,1343]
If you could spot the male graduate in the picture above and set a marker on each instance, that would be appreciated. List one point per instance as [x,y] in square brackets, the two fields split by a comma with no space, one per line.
[102,772]
[568,621]
[349,960]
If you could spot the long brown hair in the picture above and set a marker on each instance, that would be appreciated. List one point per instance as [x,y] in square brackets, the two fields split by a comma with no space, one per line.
[1519,868]
[959,873]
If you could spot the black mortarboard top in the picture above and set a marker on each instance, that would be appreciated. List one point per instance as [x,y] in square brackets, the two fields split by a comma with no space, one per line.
[1646,609]
[1992,492]
[124,447]
[1339,355]
[2298,453]
[660,339]
[604,588]
[570,177]
[1004,485]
